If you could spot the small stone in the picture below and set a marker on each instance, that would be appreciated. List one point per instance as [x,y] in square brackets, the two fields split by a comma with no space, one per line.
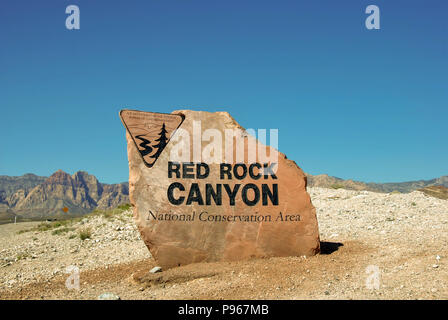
[108,296]
[334,235]
[155,269]
[435,266]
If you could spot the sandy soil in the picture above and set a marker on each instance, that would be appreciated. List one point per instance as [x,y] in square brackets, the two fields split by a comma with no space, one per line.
[396,241]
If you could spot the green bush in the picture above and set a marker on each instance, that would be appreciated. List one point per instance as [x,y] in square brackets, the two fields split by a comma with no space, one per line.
[61,231]
[46,226]
[124,207]
[22,256]
[85,234]
[108,214]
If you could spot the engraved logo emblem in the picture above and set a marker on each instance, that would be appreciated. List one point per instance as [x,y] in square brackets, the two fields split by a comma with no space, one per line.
[150,131]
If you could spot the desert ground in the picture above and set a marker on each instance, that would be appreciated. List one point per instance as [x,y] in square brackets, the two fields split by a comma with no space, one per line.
[374,246]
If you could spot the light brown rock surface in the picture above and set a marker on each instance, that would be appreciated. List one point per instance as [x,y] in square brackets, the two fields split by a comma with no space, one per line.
[175,243]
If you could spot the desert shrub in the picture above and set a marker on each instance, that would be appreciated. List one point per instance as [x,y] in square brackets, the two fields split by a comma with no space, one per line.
[46,226]
[108,214]
[22,256]
[111,213]
[61,231]
[124,207]
[85,233]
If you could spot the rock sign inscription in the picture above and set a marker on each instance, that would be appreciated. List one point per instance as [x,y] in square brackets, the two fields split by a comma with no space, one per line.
[203,189]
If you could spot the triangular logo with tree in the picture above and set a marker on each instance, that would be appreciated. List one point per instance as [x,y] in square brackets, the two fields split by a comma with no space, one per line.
[150,132]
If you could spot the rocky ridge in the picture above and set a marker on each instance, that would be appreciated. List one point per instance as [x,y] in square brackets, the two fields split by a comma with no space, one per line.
[34,197]
[326,181]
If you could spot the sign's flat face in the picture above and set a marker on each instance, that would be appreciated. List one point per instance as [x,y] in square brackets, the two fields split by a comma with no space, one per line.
[150,132]
[216,193]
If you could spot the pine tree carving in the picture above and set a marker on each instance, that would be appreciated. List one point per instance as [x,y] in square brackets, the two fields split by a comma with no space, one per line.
[162,142]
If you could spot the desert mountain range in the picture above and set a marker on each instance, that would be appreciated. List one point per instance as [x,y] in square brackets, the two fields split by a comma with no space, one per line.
[35,197]
[326,181]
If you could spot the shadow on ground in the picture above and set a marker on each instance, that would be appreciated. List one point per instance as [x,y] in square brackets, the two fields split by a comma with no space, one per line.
[329,247]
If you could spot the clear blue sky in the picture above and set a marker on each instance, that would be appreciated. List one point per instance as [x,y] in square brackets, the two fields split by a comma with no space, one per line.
[349,102]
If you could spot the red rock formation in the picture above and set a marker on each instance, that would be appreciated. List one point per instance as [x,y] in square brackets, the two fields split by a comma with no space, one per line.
[175,234]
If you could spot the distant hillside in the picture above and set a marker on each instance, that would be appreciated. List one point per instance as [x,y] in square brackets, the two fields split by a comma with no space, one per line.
[440,192]
[10,185]
[326,181]
[409,186]
[34,197]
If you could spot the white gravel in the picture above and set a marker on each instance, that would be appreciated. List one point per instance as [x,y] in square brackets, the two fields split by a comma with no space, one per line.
[40,255]
[409,228]
[364,214]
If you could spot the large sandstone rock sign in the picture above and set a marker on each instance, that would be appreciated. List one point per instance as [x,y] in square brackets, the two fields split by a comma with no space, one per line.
[200,192]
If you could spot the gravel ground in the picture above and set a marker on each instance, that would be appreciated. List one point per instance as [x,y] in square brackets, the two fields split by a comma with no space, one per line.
[39,255]
[395,241]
